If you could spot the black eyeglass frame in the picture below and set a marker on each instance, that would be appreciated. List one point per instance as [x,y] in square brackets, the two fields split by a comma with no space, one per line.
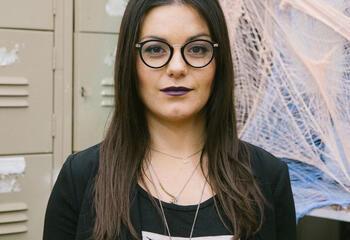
[140,45]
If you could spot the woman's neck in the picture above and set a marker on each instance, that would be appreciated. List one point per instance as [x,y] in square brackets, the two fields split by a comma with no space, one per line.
[177,138]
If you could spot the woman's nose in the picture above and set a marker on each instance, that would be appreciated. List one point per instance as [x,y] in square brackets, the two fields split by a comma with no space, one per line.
[177,66]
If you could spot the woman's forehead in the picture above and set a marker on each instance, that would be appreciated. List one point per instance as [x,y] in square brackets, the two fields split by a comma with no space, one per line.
[173,23]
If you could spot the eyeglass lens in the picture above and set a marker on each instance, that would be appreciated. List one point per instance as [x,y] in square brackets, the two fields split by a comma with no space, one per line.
[197,53]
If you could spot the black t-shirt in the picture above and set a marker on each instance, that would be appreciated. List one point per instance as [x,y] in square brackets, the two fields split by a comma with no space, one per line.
[70,215]
[180,219]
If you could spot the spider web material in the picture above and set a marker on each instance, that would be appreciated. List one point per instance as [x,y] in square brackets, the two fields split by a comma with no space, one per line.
[292,79]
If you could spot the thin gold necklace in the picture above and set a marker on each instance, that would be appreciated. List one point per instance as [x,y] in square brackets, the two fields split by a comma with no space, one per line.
[185,160]
[175,199]
[162,210]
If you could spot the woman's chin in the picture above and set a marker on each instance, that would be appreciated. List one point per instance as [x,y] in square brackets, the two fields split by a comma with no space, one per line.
[179,117]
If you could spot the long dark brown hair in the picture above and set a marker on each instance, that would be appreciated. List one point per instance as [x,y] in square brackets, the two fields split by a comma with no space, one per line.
[126,143]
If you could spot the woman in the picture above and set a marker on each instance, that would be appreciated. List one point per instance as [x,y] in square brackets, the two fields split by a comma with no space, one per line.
[171,165]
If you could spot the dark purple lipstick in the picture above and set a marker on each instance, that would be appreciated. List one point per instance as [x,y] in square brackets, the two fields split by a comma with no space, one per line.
[176,91]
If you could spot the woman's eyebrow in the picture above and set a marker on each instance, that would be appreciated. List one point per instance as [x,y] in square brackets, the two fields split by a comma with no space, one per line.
[187,40]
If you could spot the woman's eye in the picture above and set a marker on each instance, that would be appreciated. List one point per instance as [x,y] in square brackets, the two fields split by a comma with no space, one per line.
[154,50]
[198,50]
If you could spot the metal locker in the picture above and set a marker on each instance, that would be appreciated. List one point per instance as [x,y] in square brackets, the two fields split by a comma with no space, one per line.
[99,15]
[93,87]
[30,14]
[26,91]
[22,211]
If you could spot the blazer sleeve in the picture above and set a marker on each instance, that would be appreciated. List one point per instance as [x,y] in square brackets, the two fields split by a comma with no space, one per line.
[62,209]
[284,206]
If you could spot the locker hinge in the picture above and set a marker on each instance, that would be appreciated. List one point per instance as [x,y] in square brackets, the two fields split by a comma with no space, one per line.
[54,7]
[53,125]
[54,58]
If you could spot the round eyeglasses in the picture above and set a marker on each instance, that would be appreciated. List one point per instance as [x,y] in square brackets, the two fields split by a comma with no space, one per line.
[156,53]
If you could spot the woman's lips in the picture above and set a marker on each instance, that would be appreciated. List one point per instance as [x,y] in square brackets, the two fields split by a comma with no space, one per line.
[176,91]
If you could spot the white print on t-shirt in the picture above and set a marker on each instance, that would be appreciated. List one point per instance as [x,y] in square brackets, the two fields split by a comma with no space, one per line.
[155,236]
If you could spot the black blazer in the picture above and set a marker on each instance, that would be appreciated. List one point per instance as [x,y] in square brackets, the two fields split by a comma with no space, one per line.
[69,213]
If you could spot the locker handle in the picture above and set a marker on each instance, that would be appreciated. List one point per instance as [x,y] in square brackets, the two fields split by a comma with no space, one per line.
[82,92]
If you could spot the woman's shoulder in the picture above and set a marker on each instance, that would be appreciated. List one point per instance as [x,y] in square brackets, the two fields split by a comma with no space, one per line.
[82,166]
[267,167]
[85,159]
[69,193]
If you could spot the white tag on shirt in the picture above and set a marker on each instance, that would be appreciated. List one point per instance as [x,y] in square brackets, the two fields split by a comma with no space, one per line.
[155,236]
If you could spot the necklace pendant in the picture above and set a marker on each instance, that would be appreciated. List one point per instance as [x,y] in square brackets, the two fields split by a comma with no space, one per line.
[186,161]
[174,201]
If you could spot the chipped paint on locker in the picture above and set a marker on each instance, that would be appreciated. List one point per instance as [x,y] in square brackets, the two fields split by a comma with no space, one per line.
[11,169]
[110,58]
[8,57]
[116,8]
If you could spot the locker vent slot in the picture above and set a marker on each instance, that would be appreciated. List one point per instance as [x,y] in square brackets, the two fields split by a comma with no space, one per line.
[14,92]
[107,92]
[13,207]
[13,218]
[107,82]
[12,228]
[107,103]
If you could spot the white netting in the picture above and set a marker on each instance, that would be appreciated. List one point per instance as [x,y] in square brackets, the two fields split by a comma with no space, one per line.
[292,66]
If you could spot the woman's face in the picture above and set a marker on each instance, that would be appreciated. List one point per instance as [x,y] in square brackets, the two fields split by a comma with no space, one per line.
[176,24]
